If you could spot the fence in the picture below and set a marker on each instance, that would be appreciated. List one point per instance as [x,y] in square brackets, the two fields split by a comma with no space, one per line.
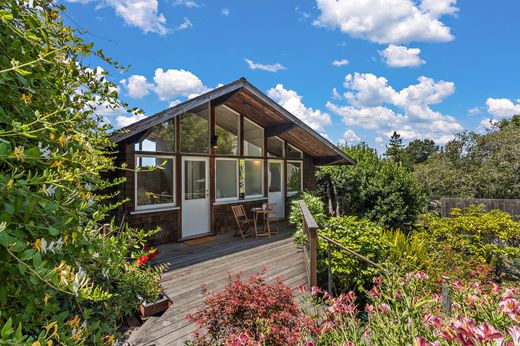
[510,206]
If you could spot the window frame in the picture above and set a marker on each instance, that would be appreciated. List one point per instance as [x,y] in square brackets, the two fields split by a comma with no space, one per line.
[283,149]
[180,132]
[161,206]
[292,193]
[293,148]
[238,131]
[237,162]
[263,149]
[262,169]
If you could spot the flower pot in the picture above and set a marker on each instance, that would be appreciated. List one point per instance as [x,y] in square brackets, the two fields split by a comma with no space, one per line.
[153,308]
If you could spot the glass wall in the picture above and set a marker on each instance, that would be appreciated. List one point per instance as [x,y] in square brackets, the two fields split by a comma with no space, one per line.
[294,177]
[161,137]
[252,177]
[154,182]
[227,123]
[274,147]
[293,153]
[195,131]
[226,178]
[253,139]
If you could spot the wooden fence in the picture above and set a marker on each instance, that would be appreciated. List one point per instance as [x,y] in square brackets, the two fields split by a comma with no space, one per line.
[510,206]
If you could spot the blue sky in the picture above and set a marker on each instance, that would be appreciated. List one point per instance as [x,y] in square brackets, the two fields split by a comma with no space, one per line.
[426,69]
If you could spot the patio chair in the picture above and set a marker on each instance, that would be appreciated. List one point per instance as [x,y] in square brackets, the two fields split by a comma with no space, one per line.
[243,222]
[273,215]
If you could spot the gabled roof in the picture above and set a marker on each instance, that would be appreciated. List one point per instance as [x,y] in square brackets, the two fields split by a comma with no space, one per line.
[246,99]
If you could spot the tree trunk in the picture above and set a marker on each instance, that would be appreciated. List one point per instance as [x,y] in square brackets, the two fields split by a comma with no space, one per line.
[336,197]
[329,198]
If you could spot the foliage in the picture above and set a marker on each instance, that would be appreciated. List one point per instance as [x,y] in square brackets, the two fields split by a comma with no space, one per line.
[316,208]
[394,149]
[360,235]
[377,189]
[262,313]
[65,277]
[418,151]
[403,311]
[474,237]
[409,252]
[476,165]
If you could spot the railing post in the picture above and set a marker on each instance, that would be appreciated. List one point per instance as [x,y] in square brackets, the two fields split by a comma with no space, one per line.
[313,232]
[329,267]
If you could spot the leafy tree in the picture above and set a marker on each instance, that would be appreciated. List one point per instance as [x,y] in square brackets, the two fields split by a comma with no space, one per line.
[378,189]
[394,149]
[418,151]
[65,278]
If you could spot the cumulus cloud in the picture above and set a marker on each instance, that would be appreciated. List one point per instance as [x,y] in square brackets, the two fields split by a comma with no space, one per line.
[186,24]
[385,21]
[123,120]
[186,3]
[137,86]
[374,104]
[143,14]
[269,68]
[290,100]
[349,138]
[502,108]
[474,111]
[225,12]
[401,56]
[340,62]
[172,83]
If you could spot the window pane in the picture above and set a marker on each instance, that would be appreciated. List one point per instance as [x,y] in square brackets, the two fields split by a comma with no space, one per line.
[161,137]
[294,176]
[195,132]
[194,180]
[226,129]
[253,139]
[253,173]
[274,147]
[275,176]
[293,153]
[226,178]
[154,187]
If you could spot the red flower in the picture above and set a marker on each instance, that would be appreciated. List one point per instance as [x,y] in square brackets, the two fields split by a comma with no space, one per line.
[142,260]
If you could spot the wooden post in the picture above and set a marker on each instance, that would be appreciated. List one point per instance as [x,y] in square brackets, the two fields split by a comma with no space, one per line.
[313,232]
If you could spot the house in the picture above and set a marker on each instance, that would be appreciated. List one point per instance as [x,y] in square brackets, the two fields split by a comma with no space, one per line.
[231,145]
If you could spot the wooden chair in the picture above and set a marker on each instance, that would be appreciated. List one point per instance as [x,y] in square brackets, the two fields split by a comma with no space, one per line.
[243,222]
[273,215]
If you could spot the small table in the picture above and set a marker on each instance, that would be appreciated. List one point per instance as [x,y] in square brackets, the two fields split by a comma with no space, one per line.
[266,230]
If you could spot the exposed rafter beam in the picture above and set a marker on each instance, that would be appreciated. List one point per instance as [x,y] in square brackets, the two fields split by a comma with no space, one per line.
[279,129]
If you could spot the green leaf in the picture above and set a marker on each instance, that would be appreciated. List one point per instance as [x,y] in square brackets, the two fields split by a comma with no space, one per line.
[54,231]
[6,329]
[5,15]
[33,152]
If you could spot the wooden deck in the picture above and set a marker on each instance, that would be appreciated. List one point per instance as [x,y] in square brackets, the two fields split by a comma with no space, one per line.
[210,263]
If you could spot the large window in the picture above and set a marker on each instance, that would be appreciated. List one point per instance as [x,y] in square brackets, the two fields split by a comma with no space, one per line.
[227,123]
[294,177]
[274,147]
[161,137]
[154,182]
[252,178]
[195,131]
[253,139]
[226,177]
[293,153]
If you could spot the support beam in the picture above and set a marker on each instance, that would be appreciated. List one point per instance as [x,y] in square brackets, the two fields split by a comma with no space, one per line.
[279,129]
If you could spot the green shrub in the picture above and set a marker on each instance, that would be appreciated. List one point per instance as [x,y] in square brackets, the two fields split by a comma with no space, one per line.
[461,240]
[409,251]
[360,235]
[316,208]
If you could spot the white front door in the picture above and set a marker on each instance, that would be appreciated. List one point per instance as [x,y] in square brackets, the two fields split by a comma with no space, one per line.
[276,186]
[195,196]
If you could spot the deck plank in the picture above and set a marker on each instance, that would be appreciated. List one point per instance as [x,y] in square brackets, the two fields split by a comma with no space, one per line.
[210,263]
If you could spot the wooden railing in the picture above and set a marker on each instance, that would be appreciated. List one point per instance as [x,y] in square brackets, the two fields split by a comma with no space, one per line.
[310,247]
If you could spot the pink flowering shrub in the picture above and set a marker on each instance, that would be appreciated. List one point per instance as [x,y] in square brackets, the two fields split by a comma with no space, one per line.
[403,311]
[251,312]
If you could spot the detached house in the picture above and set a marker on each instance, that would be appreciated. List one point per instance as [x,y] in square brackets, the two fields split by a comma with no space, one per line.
[231,145]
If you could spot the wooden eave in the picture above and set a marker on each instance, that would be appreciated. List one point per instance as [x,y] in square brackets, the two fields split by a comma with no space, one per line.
[246,99]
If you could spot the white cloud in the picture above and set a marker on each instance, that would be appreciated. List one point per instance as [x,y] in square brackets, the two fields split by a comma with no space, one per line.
[225,12]
[401,56]
[335,94]
[502,108]
[174,103]
[374,104]
[143,14]
[388,21]
[291,101]
[340,62]
[174,83]
[187,3]
[186,24]
[349,138]
[123,121]
[485,124]
[137,86]
[270,68]
[474,111]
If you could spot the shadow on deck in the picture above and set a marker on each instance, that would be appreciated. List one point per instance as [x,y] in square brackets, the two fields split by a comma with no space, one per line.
[209,262]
